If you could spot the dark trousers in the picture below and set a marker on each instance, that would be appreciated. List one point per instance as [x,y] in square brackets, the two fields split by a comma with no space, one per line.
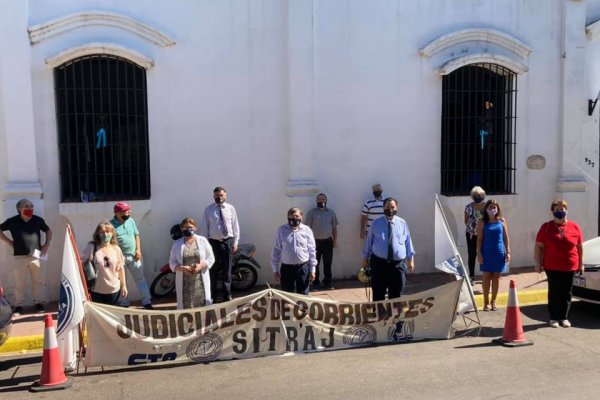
[221,269]
[387,275]
[325,251]
[472,252]
[111,298]
[560,289]
[294,278]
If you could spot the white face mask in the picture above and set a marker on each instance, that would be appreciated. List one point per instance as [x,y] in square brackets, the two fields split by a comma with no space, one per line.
[492,211]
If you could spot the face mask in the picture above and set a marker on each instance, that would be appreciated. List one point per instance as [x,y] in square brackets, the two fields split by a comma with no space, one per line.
[125,217]
[188,232]
[321,204]
[492,211]
[377,193]
[28,213]
[477,199]
[559,214]
[389,212]
[218,200]
[293,222]
[106,237]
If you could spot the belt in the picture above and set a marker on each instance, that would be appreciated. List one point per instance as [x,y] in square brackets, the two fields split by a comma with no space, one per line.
[385,259]
[294,265]
[323,240]
[221,240]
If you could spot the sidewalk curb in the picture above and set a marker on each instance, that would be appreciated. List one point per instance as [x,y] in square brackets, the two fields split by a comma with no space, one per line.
[23,344]
[525,298]
[35,343]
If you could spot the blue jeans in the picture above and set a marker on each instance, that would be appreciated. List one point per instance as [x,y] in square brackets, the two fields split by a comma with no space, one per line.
[136,270]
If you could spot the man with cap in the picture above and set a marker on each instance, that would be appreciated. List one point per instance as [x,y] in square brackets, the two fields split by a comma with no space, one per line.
[128,238]
[25,229]
[372,209]
[323,222]
[220,226]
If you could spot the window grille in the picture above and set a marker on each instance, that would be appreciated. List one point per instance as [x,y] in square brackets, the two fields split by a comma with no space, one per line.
[102,123]
[479,105]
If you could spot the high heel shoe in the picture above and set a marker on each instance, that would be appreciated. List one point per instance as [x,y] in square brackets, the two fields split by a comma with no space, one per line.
[494,308]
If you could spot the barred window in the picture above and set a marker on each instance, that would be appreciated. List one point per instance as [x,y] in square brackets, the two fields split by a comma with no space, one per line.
[478,130]
[102,118]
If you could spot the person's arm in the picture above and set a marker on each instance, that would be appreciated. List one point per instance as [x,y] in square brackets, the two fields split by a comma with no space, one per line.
[410,252]
[5,239]
[138,248]
[312,255]
[210,256]
[479,229]
[506,240]
[174,259]
[46,246]
[121,268]
[276,258]
[538,255]
[363,224]
[466,214]
[236,230]
[334,235]
[366,252]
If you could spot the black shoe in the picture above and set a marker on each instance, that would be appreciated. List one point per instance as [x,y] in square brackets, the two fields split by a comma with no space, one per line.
[315,286]
[39,307]
[329,287]
[17,311]
[148,306]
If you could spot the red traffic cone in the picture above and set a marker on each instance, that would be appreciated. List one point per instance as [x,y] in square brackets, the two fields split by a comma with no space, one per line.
[52,377]
[513,327]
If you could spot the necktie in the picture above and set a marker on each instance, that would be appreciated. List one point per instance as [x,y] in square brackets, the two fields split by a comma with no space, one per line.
[224,230]
[390,256]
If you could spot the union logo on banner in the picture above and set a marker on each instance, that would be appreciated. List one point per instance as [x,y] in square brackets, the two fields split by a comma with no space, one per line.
[66,305]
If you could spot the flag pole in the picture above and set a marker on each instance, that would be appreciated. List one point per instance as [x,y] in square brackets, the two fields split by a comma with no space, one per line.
[462,266]
[81,325]
[79,265]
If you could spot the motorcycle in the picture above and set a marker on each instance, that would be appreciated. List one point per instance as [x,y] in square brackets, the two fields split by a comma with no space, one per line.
[244,272]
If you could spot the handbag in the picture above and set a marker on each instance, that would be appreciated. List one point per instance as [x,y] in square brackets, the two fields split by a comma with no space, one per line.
[90,271]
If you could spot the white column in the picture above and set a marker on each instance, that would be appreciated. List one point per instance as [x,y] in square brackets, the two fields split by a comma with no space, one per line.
[300,53]
[573,96]
[17,100]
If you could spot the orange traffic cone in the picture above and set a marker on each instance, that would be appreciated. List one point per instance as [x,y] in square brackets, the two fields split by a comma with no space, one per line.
[513,327]
[52,377]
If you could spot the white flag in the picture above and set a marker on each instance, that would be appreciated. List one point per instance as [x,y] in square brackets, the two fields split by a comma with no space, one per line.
[70,305]
[447,258]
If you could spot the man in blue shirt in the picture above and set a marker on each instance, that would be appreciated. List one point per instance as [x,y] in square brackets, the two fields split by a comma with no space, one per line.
[389,251]
[128,238]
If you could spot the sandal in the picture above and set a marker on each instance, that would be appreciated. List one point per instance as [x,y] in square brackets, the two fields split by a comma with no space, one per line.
[494,308]
[486,307]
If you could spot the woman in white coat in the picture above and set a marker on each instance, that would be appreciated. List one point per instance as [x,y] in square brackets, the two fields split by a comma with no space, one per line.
[191,258]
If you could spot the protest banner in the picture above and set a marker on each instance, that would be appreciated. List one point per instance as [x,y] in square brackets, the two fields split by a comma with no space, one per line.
[270,322]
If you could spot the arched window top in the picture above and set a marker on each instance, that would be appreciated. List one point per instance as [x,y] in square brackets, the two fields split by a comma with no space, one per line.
[501,60]
[592,31]
[100,48]
[54,27]
[493,36]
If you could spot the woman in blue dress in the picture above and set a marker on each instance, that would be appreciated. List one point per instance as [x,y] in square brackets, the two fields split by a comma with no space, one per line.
[493,250]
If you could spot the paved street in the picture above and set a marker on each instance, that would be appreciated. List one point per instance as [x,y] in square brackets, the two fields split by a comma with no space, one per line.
[562,364]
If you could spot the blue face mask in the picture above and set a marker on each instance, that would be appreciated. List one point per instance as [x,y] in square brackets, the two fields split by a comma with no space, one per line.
[559,214]
[477,199]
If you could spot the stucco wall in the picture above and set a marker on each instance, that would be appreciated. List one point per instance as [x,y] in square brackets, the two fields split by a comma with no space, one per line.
[218,104]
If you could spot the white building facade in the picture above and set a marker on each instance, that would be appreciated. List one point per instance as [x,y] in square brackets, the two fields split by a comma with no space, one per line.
[156,103]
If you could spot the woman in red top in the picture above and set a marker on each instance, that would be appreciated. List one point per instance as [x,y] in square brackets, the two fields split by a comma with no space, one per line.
[559,252]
